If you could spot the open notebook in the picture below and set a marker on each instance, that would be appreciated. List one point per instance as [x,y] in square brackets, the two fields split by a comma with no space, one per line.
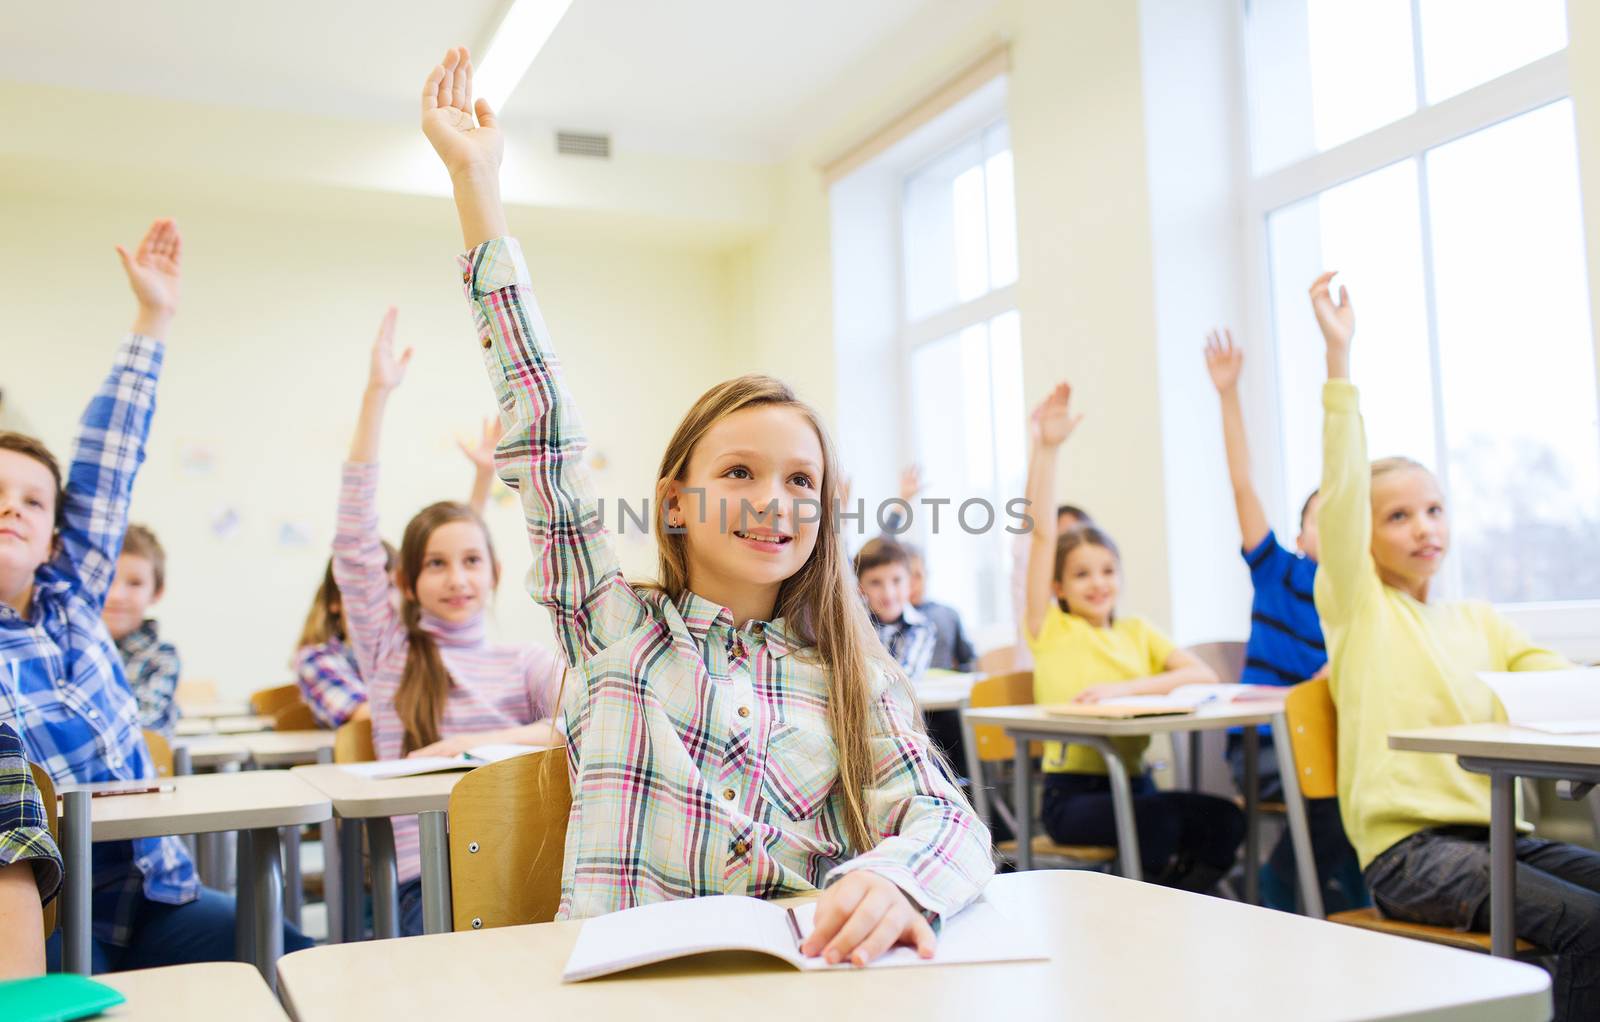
[677,929]
[1555,702]
[1181,700]
[481,755]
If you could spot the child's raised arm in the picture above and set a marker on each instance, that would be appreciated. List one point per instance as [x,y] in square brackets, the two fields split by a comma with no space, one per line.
[481,455]
[115,425]
[575,571]
[1052,422]
[358,555]
[1224,360]
[1346,572]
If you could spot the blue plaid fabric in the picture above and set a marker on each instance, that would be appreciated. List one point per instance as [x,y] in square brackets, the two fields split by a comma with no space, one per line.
[62,685]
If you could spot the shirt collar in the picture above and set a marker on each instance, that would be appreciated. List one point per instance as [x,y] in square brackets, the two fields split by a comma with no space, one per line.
[141,638]
[471,632]
[48,582]
[700,616]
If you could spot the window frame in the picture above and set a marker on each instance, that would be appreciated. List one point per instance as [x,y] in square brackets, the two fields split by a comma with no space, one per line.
[1545,81]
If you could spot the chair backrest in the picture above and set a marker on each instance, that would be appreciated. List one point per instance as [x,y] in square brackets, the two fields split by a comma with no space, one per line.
[267,701]
[195,692]
[295,717]
[1014,689]
[1314,736]
[1226,658]
[352,743]
[998,660]
[160,752]
[52,812]
[508,831]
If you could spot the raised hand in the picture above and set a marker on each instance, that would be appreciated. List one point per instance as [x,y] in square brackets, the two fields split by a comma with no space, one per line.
[1337,321]
[466,143]
[1055,418]
[481,454]
[1224,360]
[910,483]
[155,272]
[387,371]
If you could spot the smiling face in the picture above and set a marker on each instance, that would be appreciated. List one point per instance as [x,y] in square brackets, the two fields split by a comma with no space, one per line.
[887,588]
[1410,530]
[133,590]
[748,504]
[1090,580]
[455,574]
[27,523]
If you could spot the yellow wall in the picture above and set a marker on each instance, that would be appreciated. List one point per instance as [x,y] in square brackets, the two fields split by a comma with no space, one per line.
[267,360]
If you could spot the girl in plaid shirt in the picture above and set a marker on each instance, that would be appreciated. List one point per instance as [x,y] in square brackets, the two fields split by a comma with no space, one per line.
[735,727]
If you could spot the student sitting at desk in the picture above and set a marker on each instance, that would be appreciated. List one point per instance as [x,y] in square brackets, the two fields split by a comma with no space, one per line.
[30,863]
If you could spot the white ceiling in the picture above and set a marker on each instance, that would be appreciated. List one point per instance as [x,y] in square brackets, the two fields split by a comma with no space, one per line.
[743,79]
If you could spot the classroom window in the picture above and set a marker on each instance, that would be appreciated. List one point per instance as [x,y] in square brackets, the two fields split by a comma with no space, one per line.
[961,336]
[1474,349]
[1324,72]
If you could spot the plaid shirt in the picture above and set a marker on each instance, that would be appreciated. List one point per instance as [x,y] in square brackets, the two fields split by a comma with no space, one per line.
[910,640]
[330,681]
[61,680]
[701,757]
[24,828]
[152,669]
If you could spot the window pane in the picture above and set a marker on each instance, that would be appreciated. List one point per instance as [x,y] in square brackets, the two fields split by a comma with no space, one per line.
[1002,199]
[1517,359]
[1370,230]
[1468,42]
[944,234]
[1322,72]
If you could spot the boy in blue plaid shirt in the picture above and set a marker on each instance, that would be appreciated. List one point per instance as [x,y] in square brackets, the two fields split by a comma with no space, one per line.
[62,685]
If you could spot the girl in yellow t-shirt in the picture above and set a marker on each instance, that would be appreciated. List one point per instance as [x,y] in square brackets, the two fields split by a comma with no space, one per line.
[1083,651]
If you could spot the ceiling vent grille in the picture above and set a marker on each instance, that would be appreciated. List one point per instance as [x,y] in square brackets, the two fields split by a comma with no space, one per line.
[578,143]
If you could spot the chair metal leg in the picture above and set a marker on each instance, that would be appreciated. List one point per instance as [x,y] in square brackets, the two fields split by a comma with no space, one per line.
[1022,805]
[1305,863]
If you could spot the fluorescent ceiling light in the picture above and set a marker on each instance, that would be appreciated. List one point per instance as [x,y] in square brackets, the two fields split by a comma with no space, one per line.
[521,35]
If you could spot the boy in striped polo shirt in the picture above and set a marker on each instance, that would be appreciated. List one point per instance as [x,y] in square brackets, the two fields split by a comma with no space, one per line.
[1285,646]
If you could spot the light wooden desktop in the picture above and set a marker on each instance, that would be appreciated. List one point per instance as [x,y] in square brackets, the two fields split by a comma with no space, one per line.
[193,993]
[1119,949]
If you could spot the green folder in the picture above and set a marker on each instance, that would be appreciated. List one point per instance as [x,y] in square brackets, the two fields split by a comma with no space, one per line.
[55,998]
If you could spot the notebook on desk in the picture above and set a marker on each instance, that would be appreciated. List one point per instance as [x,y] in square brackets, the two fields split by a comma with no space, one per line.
[1117,710]
[416,766]
[1554,702]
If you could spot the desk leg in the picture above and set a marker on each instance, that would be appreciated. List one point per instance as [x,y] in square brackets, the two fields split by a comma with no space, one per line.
[385,881]
[352,883]
[293,886]
[76,838]
[980,787]
[1502,864]
[244,897]
[332,878]
[266,884]
[1121,804]
[1305,864]
[1194,760]
[434,834]
[1022,803]
[1252,814]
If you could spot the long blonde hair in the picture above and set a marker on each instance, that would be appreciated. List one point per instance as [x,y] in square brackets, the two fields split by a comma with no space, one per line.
[818,602]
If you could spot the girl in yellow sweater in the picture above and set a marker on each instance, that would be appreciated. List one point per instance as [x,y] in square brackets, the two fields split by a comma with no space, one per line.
[1400,660]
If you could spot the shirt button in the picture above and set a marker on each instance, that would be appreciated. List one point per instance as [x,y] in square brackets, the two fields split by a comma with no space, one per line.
[744,711]
[741,847]
[729,794]
[487,344]
[94,714]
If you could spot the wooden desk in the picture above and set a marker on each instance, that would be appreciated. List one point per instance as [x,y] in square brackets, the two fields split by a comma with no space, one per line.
[1197,957]
[207,752]
[288,748]
[1506,753]
[208,711]
[193,993]
[376,801]
[945,691]
[1028,723]
[243,725]
[255,803]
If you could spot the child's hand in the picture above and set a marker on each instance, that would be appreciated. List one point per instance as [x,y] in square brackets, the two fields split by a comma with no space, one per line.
[1224,360]
[453,746]
[910,483]
[1338,322]
[1054,417]
[861,917]
[482,454]
[1100,693]
[387,371]
[464,144]
[155,272]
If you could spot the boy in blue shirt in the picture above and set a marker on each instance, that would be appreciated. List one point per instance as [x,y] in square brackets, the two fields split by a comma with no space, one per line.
[62,685]
[1285,647]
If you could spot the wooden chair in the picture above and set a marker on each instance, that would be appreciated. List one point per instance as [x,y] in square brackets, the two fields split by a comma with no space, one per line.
[295,717]
[268,701]
[160,752]
[1314,738]
[195,692]
[999,660]
[47,795]
[508,829]
[990,744]
[352,743]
